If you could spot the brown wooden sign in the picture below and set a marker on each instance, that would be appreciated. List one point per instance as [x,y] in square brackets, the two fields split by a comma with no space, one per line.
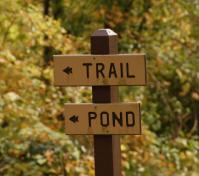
[87,70]
[115,118]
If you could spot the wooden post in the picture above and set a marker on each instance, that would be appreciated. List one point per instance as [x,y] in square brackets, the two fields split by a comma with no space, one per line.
[107,151]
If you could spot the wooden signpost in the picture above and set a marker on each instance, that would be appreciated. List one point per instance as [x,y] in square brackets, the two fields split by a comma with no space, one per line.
[105,118]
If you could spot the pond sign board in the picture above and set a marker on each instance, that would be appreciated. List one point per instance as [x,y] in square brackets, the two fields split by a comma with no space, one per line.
[96,70]
[106,119]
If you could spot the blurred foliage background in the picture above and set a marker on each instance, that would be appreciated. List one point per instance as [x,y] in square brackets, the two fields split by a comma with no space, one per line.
[32,139]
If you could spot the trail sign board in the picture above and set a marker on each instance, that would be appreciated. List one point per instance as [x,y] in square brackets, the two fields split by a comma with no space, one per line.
[115,118]
[96,70]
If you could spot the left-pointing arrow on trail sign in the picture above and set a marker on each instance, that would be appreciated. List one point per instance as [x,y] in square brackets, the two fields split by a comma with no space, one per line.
[74,119]
[67,70]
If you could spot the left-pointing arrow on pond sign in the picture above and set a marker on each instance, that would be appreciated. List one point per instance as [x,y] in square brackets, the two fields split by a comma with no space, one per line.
[67,70]
[74,119]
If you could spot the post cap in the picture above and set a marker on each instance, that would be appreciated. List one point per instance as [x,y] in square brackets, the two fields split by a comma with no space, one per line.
[104,32]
